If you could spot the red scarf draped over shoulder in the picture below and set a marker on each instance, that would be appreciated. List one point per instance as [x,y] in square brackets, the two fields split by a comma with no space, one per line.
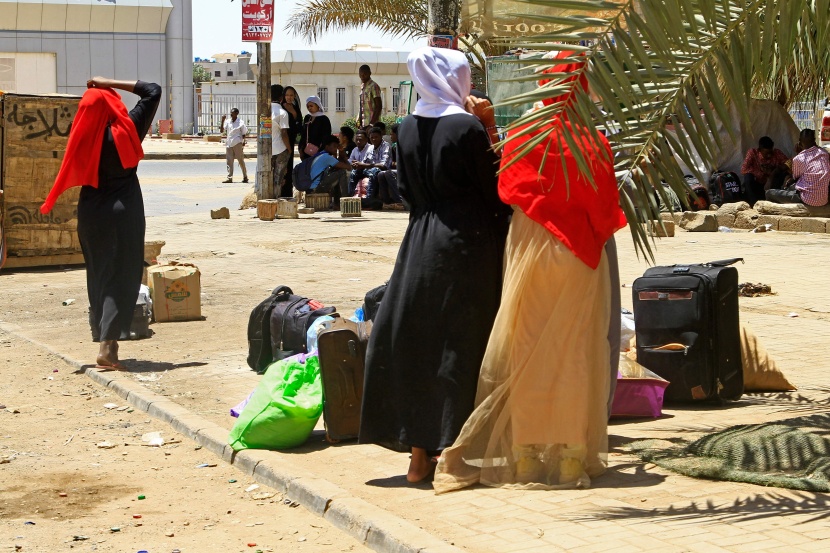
[98,108]
[581,217]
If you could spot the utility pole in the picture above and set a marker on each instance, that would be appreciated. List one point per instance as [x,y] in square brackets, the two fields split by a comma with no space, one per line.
[264,177]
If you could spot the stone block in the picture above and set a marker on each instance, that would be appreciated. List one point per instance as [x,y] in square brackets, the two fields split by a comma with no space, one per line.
[822,211]
[667,217]
[791,210]
[221,213]
[213,138]
[725,219]
[817,225]
[666,230]
[790,224]
[171,136]
[746,219]
[305,211]
[733,209]
[699,221]
[769,220]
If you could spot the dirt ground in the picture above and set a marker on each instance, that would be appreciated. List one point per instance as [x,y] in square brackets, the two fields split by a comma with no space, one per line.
[74,469]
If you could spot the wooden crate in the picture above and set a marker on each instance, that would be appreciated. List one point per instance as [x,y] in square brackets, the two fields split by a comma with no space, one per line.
[34,130]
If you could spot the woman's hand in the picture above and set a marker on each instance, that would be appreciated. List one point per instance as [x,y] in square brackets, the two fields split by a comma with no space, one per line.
[482,109]
[98,82]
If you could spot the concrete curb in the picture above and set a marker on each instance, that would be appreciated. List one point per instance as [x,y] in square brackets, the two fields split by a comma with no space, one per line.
[369,524]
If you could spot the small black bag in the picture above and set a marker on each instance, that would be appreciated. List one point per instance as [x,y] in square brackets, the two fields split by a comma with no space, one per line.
[725,188]
[291,317]
[371,302]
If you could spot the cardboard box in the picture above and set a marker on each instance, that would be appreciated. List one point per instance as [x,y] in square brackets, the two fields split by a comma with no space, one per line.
[176,292]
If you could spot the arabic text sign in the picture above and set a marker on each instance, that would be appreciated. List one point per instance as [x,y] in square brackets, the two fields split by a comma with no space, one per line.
[257,20]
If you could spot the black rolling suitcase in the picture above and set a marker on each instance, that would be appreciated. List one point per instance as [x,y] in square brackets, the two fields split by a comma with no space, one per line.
[688,332]
[342,352]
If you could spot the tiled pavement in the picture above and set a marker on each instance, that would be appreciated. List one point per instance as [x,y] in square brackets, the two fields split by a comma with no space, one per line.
[633,507]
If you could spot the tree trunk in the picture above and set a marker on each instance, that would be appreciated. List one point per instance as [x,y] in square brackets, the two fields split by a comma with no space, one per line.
[443,17]
[264,177]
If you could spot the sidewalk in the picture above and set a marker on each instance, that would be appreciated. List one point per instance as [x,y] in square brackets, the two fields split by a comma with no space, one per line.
[200,367]
[190,148]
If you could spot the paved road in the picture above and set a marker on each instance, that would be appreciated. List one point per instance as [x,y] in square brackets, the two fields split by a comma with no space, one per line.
[175,187]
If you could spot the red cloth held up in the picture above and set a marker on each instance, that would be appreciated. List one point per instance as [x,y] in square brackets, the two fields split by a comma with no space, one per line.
[97,108]
[582,218]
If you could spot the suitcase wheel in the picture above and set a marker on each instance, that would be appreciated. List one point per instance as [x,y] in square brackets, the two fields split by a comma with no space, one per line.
[331,440]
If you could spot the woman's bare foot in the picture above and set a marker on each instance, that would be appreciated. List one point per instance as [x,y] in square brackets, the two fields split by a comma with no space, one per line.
[421,466]
[108,355]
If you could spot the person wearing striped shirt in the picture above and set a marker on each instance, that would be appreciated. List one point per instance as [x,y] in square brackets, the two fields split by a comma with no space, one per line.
[811,171]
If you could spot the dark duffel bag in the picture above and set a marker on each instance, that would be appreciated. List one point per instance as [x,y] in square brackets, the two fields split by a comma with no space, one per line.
[259,332]
[371,302]
[291,317]
[688,331]
[342,353]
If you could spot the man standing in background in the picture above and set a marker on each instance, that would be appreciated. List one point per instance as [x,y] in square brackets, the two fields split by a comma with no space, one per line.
[371,104]
[281,148]
[235,130]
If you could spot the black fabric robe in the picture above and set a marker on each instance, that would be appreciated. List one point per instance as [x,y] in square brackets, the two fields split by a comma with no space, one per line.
[432,327]
[111,230]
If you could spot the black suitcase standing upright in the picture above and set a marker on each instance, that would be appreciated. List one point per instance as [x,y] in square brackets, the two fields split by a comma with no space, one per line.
[688,331]
[342,352]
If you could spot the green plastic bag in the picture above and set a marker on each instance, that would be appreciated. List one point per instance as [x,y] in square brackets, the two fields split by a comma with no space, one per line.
[284,408]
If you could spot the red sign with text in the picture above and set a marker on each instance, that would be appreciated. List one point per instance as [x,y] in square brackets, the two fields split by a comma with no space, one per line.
[257,20]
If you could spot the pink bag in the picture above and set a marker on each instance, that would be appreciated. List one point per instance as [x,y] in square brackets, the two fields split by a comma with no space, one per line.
[639,391]
[311,149]
[362,187]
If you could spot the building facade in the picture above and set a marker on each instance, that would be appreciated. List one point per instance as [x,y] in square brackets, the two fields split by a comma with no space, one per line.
[228,67]
[332,76]
[55,46]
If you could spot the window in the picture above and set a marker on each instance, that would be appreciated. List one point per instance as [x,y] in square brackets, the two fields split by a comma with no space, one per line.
[396,99]
[230,73]
[217,73]
[229,60]
[323,94]
[340,99]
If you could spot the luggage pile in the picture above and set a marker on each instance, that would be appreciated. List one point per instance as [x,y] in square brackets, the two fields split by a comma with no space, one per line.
[313,361]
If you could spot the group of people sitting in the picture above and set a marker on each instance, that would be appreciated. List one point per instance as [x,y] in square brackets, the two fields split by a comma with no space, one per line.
[768,174]
[352,163]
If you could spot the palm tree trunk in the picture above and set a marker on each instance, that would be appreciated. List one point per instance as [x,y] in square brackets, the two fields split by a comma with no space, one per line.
[443,17]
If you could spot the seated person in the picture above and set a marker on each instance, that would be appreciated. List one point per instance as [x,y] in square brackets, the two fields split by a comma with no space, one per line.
[388,180]
[759,166]
[347,143]
[361,141]
[329,174]
[811,171]
[375,160]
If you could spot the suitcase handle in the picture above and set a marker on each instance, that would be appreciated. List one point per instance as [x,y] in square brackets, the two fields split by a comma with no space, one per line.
[724,262]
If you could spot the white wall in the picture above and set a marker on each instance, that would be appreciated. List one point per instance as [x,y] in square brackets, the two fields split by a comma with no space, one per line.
[28,73]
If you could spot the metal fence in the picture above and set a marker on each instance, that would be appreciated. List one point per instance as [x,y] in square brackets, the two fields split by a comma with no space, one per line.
[211,107]
[807,115]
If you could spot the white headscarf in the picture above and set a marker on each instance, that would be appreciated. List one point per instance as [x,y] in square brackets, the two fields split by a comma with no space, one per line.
[315,100]
[442,80]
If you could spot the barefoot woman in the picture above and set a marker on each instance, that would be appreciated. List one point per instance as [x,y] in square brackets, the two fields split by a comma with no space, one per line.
[431,330]
[102,154]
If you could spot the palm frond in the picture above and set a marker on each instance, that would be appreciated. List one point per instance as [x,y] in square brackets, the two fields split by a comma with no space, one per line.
[402,18]
[666,71]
